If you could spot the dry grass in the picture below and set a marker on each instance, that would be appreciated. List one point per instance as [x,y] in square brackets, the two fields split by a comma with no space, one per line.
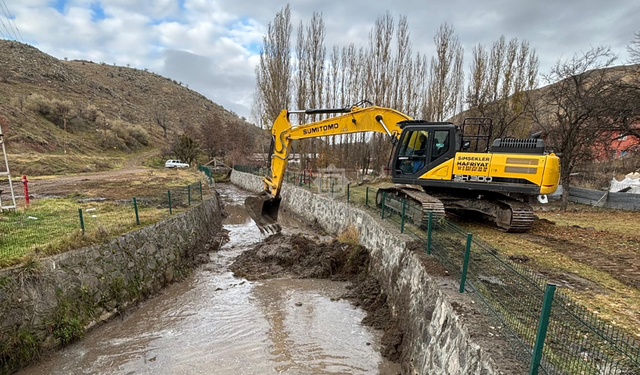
[591,253]
[350,235]
[592,282]
[613,221]
[34,164]
[51,226]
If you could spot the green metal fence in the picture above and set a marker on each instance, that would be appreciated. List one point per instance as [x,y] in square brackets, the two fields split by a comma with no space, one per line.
[207,172]
[51,226]
[565,338]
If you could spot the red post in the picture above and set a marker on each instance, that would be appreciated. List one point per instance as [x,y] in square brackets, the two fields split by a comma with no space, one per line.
[25,184]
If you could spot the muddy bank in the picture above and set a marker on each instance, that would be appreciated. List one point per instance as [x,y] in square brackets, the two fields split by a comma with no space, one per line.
[304,256]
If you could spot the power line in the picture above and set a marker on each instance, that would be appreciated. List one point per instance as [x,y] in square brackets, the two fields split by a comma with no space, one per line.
[15,36]
[5,27]
[13,20]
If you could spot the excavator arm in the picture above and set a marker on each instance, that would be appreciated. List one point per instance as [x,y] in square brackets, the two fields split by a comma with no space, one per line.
[264,208]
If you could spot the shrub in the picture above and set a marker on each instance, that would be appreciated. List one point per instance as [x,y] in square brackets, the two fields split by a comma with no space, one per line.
[124,136]
[90,113]
[141,135]
[18,102]
[39,104]
[110,140]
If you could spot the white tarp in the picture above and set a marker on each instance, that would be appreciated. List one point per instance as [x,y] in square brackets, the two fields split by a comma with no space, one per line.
[631,181]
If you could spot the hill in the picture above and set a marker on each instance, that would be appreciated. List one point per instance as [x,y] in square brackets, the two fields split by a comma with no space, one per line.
[79,116]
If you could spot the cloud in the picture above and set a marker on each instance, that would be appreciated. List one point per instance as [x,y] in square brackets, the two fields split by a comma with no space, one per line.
[227,86]
[212,45]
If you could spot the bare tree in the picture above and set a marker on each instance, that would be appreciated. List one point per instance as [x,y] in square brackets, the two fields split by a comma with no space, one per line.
[446,77]
[478,88]
[213,135]
[62,110]
[573,108]
[634,49]
[314,66]
[185,148]
[623,105]
[378,64]
[499,85]
[401,67]
[160,117]
[273,74]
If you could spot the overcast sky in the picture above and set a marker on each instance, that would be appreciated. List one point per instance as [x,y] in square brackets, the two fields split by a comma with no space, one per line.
[213,45]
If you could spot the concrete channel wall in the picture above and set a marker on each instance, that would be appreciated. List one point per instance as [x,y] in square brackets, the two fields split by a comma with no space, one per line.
[445,333]
[52,301]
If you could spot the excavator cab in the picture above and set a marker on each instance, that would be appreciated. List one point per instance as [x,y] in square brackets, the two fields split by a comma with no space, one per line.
[422,146]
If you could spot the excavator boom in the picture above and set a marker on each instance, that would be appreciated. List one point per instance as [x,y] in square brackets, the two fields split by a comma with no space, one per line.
[263,208]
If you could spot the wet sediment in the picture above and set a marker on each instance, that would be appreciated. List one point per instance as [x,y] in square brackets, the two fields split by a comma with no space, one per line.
[306,256]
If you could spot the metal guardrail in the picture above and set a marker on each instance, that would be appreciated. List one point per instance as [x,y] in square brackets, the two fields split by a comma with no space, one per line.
[548,330]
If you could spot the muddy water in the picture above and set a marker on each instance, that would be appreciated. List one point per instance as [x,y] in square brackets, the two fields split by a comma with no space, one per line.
[214,323]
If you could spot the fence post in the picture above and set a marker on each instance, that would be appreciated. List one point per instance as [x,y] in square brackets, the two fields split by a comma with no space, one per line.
[465,265]
[189,194]
[135,207]
[309,181]
[81,220]
[332,181]
[348,193]
[200,191]
[366,197]
[543,323]
[169,194]
[404,203]
[301,179]
[384,199]
[429,233]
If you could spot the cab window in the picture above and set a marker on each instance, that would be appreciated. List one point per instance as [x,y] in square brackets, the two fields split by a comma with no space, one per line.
[413,152]
[414,144]
[440,144]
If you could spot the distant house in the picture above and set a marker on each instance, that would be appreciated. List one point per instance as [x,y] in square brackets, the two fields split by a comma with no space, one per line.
[618,145]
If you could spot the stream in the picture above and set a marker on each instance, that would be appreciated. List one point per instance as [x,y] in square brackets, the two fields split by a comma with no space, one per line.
[214,323]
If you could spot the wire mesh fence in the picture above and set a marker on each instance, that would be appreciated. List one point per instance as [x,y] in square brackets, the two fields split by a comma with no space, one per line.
[54,225]
[566,339]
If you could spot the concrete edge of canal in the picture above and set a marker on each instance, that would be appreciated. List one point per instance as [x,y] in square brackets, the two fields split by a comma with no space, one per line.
[61,297]
[444,331]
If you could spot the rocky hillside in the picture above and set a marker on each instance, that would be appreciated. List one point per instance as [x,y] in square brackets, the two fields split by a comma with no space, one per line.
[82,109]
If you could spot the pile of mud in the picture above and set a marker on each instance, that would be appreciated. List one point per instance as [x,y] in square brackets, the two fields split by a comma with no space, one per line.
[301,257]
[304,257]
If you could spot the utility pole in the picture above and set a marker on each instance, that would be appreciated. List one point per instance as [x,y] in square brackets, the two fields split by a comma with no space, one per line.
[8,174]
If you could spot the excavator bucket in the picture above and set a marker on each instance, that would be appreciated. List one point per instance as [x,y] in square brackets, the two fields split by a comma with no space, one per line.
[263,209]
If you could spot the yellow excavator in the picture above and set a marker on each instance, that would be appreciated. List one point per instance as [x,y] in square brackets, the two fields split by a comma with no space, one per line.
[438,165]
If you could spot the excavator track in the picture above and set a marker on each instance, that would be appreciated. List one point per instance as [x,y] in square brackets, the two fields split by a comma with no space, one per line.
[508,214]
[514,216]
[419,197]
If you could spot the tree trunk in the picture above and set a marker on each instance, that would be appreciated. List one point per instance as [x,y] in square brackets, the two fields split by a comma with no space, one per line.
[164,131]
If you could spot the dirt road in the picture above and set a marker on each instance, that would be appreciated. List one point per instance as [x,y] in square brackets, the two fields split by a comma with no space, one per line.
[115,184]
